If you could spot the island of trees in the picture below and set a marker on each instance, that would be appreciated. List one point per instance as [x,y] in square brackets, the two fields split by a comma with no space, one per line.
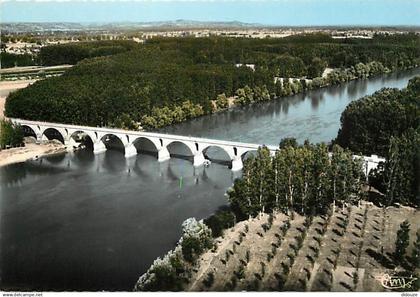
[169,80]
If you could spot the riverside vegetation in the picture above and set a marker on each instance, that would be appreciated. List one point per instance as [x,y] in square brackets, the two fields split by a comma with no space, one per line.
[11,135]
[169,80]
[305,209]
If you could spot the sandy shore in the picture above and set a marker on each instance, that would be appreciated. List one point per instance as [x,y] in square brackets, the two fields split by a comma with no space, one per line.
[9,86]
[29,151]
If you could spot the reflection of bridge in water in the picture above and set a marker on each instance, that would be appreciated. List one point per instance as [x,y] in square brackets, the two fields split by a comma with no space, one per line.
[131,142]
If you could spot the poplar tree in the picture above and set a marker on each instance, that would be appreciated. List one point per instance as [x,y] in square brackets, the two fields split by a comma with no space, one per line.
[402,242]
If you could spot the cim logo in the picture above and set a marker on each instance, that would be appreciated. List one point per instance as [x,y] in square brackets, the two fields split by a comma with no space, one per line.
[393,282]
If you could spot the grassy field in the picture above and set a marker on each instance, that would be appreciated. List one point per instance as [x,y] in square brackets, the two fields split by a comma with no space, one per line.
[348,250]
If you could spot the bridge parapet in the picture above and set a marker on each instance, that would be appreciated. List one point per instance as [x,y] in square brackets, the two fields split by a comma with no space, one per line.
[197,145]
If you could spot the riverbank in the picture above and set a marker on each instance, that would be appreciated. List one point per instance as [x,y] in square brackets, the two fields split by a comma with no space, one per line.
[165,116]
[30,151]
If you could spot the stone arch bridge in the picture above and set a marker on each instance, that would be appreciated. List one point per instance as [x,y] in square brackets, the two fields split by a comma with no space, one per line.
[196,145]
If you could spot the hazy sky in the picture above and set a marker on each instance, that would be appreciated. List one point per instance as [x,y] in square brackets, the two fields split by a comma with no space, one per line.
[270,12]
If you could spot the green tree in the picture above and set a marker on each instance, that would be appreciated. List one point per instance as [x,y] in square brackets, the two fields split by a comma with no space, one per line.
[191,248]
[222,101]
[398,177]
[10,134]
[402,242]
[368,124]
[316,68]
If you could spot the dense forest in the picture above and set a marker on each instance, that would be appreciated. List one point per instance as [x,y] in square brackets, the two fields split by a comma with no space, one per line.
[71,53]
[168,80]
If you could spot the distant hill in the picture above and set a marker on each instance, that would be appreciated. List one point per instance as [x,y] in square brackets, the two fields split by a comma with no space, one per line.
[178,24]
[28,27]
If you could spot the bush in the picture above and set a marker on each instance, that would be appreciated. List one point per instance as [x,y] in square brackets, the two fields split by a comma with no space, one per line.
[164,275]
[10,134]
[209,280]
[196,239]
[191,248]
[220,221]
[222,101]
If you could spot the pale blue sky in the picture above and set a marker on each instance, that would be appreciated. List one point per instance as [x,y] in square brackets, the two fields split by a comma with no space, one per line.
[279,12]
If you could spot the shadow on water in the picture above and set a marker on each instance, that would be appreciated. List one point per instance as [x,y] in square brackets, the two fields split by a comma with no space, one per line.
[11,175]
[55,159]
[83,158]
[113,161]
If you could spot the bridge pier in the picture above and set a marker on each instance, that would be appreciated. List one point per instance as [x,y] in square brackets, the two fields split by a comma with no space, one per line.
[99,147]
[39,137]
[237,164]
[199,159]
[163,154]
[130,150]
[70,143]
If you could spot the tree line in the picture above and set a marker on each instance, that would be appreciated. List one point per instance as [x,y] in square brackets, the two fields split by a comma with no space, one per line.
[73,52]
[300,178]
[9,60]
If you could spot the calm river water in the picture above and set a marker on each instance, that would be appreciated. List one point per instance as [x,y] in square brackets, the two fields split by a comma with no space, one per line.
[96,222]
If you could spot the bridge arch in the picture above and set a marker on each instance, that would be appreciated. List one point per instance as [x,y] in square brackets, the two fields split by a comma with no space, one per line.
[28,131]
[180,149]
[112,141]
[218,154]
[81,137]
[53,133]
[248,154]
[146,145]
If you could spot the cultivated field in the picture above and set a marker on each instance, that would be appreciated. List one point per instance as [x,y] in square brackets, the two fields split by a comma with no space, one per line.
[340,252]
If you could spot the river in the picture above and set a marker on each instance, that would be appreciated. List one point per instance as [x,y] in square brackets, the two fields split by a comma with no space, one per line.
[96,222]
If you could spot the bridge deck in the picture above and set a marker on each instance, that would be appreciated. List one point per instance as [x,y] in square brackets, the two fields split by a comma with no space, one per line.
[146,134]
